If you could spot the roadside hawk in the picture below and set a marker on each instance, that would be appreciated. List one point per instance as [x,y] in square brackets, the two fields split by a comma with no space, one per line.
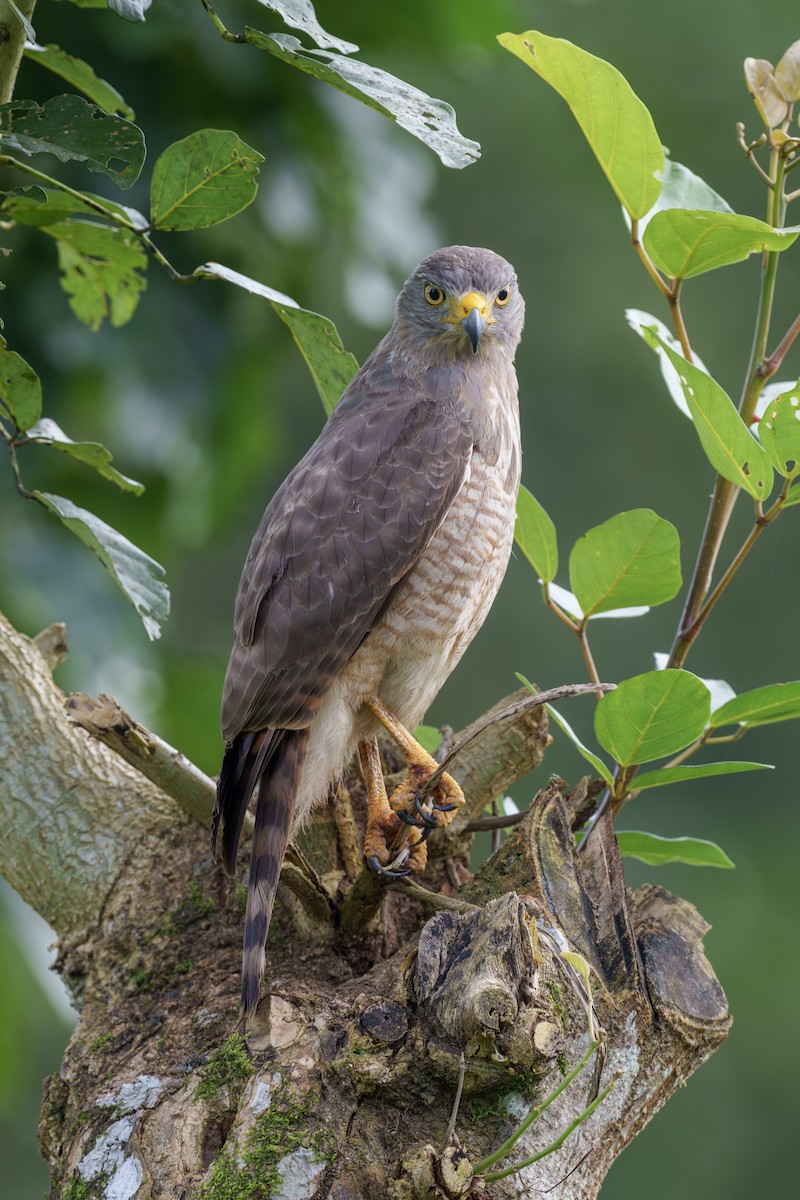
[373,568]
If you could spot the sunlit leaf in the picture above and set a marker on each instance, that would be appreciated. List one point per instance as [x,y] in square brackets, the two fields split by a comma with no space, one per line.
[331,366]
[633,558]
[566,728]
[614,120]
[686,242]
[652,715]
[779,432]
[20,388]
[299,14]
[667,775]
[432,121]
[203,179]
[761,706]
[639,321]
[657,851]
[139,576]
[99,271]
[730,447]
[72,129]
[48,433]
[535,535]
[81,76]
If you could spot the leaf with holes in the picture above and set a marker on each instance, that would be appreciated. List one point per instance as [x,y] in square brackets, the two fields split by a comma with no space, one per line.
[139,576]
[761,706]
[535,534]
[730,447]
[203,179]
[47,433]
[331,366]
[46,206]
[657,851]
[615,122]
[20,388]
[99,271]
[72,129]
[687,242]
[631,559]
[779,432]
[299,14]
[431,121]
[82,77]
[652,715]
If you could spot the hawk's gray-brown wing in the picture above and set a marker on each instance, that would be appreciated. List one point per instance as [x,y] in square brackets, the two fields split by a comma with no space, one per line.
[336,541]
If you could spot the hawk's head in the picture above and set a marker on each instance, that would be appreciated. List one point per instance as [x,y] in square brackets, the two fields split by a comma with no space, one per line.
[463,297]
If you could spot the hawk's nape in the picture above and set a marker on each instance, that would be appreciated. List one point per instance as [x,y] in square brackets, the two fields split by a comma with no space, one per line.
[372,569]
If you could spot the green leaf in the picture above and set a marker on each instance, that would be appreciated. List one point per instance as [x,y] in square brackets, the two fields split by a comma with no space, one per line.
[566,728]
[631,559]
[431,121]
[331,366]
[203,179]
[653,779]
[616,124]
[72,129]
[535,535]
[139,576]
[779,432]
[568,602]
[48,433]
[20,388]
[793,497]
[652,715]
[762,706]
[99,271]
[429,737]
[46,206]
[730,447]
[639,321]
[686,242]
[299,14]
[683,189]
[81,76]
[657,851]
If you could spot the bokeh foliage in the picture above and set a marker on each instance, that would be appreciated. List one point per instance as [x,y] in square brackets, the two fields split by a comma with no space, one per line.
[204,399]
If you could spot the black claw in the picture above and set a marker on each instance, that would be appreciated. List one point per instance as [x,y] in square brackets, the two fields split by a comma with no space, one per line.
[426,817]
[426,833]
[374,863]
[408,819]
[445,807]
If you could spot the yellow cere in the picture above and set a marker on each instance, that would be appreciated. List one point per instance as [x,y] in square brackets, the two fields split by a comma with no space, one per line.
[461,307]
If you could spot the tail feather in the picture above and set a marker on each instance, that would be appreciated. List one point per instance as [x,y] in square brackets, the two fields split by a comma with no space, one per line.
[246,757]
[276,801]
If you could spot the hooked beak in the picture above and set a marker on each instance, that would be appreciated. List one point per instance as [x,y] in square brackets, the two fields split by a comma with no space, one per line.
[473,325]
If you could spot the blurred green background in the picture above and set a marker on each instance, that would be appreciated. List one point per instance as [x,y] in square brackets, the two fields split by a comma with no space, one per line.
[204,397]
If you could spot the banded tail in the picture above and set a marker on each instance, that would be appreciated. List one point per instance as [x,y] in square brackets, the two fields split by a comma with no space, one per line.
[271,760]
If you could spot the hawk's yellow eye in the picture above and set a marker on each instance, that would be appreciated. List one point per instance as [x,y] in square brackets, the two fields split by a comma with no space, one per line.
[434,295]
[502,298]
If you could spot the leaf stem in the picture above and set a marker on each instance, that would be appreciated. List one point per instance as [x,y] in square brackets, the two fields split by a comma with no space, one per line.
[673,296]
[648,263]
[591,669]
[509,1144]
[7,161]
[775,359]
[551,604]
[220,27]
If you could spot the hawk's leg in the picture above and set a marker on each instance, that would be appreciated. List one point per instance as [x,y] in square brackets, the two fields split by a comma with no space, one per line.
[435,810]
[384,827]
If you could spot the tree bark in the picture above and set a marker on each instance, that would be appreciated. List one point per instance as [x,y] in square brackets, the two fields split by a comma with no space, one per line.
[377,1000]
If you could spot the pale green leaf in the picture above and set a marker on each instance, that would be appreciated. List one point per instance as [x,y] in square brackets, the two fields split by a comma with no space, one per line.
[779,432]
[652,715]
[657,851]
[99,270]
[203,179]
[81,76]
[299,14]
[535,535]
[761,706]
[667,775]
[139,576]
[20,388]
[631,559]
[687,242]
[639,320]
[730,447]
[69,128]
[616,123]
[331,366]
[568,602]
[432,121]
[130,10]
[48,433]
